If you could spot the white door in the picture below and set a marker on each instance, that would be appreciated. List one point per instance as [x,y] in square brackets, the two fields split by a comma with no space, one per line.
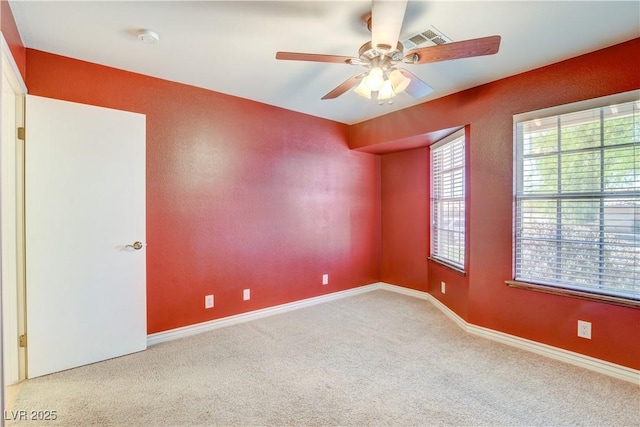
[85,208]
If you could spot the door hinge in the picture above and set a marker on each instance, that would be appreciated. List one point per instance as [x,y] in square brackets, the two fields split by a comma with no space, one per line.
[21,133]
[23,340]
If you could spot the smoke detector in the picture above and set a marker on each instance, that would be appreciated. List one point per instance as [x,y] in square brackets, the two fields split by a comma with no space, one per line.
[148,36]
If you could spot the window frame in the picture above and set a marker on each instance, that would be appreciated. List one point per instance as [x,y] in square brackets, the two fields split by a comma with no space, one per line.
[587,292]
[451,264]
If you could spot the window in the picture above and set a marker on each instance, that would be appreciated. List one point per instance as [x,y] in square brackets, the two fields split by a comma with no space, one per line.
[577,209]
[447,200]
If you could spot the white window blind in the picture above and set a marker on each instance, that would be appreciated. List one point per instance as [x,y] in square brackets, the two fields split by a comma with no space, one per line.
[447,200]
[577,219]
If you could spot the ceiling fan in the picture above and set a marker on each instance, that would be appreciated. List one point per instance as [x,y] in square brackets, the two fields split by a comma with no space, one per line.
[383,79]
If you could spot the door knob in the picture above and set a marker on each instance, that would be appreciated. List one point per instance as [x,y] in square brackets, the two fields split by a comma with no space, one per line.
[136,245]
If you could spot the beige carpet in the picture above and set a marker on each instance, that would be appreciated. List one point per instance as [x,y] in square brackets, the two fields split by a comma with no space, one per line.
[379,358]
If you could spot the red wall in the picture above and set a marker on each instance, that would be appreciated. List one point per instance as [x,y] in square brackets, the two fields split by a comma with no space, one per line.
[482,298]
[239,194]
[405,192]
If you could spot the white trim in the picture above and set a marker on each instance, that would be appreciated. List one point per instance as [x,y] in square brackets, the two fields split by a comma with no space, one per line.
[426,296]
[459,132]
[440,248]
[14,79]
[588,104]
[9,60]
[211,325]
[570,357]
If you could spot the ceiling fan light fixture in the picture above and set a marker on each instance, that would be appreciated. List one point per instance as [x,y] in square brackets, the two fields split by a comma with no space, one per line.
[382,81]
[374,79]
[363,90]
[386,91]
[399,81]
[381,85]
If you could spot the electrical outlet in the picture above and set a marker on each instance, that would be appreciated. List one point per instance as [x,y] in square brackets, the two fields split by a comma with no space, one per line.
[443,287]
[208,301]
[584,329]
[325,279]
[246,294]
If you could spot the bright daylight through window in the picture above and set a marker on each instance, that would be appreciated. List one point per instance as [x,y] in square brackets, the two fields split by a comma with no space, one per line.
[577,219]
[447,200]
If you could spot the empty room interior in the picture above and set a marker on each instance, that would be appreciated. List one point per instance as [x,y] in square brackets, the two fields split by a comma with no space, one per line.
[320,212]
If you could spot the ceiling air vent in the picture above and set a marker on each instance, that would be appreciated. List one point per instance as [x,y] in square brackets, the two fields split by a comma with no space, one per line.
[429,37]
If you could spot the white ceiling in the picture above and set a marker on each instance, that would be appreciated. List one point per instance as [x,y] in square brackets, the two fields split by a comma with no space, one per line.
[230,46]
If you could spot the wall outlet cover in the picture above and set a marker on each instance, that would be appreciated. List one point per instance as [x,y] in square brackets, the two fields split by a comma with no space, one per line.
[584,329]
[208,301]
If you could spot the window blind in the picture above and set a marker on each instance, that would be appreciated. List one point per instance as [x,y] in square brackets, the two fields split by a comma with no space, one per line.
[448,200]
[577,219]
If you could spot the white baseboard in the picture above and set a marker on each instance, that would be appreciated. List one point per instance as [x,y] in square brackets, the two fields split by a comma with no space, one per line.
[186,331]
[576,359]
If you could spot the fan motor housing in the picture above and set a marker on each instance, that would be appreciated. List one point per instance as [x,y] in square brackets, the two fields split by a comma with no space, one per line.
[367,52]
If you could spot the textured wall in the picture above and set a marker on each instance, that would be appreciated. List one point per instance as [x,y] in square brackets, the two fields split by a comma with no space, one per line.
[482,298]
[405,229]
[239,194]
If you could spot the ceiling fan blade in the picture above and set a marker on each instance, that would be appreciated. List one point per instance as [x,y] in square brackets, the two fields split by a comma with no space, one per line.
[313,57]
[386,22]
[345,86]
[455,50]
[417,88]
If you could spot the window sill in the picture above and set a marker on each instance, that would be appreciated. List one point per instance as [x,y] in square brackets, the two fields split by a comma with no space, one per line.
[572,293]
[449,267]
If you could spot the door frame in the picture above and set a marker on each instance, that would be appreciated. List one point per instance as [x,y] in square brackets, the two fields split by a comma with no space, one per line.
[15,304]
